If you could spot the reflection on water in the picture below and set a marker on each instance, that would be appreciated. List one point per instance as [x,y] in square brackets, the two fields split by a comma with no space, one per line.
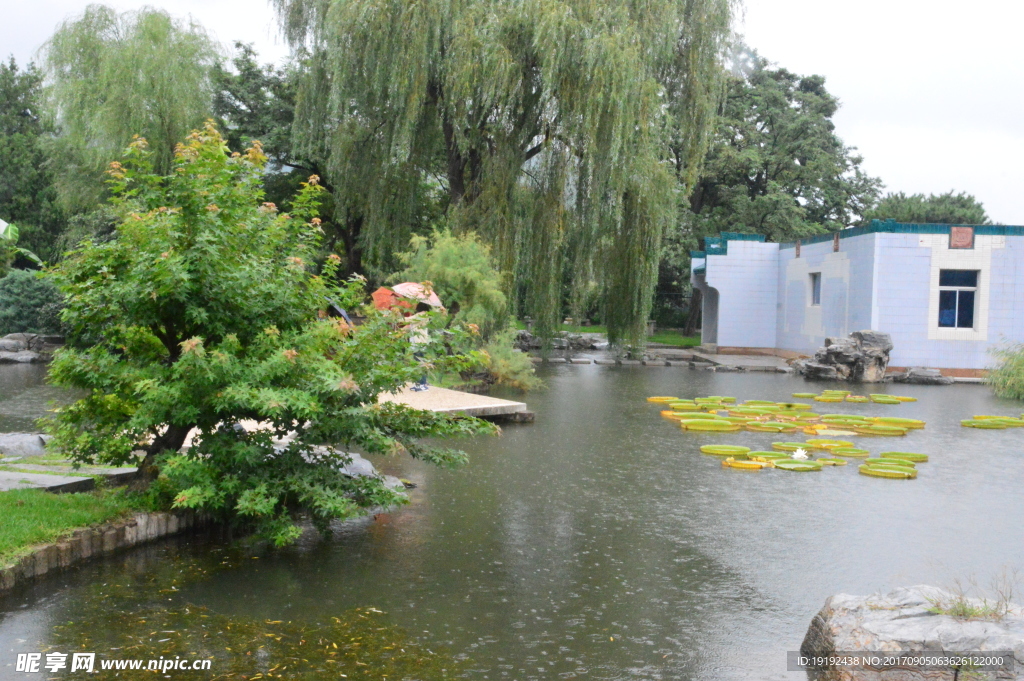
[598,543]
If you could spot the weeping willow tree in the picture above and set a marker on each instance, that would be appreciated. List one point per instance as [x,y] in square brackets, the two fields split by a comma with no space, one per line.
[565,132]
[113,75]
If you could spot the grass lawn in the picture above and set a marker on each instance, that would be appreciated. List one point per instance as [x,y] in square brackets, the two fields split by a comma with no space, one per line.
[32,516]
[672,337]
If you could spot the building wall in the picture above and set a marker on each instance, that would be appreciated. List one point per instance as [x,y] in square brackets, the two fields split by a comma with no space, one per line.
[887,280]
[747,283]
[908,293]
[847,281]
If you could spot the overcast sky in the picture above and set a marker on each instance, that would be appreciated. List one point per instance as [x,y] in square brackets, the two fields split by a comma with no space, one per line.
[931,90]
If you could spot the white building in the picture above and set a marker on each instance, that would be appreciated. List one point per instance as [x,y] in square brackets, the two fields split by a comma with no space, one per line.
[946,294]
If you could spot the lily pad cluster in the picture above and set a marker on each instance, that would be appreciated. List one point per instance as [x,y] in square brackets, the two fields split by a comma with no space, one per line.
[793,457]
[723,415]
[846,396]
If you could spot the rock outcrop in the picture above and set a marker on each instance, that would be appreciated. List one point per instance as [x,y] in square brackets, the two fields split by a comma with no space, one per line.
[863,357]
[922,376]
[526,341]
[25,348]
[905,621]
[22,444]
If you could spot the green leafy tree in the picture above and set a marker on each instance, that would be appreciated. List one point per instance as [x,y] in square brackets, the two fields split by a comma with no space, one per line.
[9,249]
[25,299]
[114,75]
[775,167]
[27,194]
[540,125]
[945,209]
[203,310]
[462,273]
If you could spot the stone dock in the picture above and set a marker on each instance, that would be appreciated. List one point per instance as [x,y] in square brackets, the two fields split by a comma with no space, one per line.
[660,357]
[448,401]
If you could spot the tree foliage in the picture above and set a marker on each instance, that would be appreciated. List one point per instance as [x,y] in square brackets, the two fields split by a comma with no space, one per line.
[777,166]
[114,75]
[463,275]
[26,299]
[946,209]
[203,310]
[27,195]
[541,125]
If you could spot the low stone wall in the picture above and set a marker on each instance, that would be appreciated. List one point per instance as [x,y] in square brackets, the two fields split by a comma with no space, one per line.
[97,541]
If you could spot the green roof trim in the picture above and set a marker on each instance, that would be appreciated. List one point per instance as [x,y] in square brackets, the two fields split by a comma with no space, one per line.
[719,245]
[893,227]
[698,254]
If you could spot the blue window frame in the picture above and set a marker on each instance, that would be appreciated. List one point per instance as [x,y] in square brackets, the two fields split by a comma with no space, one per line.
[957,292]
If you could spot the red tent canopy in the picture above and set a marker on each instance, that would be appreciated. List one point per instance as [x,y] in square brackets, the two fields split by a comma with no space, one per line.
[404,295]
[386,299]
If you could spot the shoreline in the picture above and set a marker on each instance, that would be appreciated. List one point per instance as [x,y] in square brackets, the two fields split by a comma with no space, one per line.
[83,544]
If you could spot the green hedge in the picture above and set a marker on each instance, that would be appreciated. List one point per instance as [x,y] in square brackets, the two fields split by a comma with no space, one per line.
[29,303]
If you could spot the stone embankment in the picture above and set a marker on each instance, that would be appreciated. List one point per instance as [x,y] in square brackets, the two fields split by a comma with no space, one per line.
[910,621]
[96,541]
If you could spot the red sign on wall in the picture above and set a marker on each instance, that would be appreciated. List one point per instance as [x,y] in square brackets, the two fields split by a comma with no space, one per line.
[961,237]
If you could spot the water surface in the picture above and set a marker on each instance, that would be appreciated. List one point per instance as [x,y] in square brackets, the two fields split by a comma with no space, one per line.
[598,543]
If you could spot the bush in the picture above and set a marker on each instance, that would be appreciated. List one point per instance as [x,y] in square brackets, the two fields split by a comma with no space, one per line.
[1007,378]
[211,311]
[463,276]
[509,366]
[29,303]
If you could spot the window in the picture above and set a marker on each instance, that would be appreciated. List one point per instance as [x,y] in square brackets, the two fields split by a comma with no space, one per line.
[957,290]
[816,288]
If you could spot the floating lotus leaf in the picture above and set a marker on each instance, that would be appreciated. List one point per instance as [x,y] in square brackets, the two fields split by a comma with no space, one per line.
[876,472]
[909,456]
[725,450]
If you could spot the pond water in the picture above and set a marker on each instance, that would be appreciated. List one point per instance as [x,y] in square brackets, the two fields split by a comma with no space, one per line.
[24,396]
[597,543]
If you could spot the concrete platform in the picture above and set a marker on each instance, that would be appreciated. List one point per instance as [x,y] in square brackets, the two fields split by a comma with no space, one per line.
[454,401]
[51,483]
[747,362]
[57,478]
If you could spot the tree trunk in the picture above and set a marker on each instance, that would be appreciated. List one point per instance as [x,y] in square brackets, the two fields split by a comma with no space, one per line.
[353,251]
[693,315]
[456,165]
[170,440]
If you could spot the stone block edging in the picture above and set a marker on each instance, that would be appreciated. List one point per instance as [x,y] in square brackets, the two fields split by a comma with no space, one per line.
[100,540]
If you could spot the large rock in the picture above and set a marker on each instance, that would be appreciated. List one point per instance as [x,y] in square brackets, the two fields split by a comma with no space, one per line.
[569,341]
[862,357]
[22,357]
[23,444]
[904,620]
[922,376]
[12,345]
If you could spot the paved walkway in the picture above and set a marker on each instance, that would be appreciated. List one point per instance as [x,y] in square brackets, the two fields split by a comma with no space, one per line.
[20,475]
[748,362]
[454,401]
